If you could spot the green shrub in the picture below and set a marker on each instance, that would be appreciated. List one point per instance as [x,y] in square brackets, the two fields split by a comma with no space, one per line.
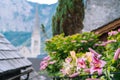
[103,57]
[59,47]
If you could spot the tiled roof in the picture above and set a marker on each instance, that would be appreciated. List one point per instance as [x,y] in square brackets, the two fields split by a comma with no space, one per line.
[10,59]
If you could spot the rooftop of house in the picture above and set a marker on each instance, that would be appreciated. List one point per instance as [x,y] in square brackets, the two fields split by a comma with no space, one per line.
[11,60]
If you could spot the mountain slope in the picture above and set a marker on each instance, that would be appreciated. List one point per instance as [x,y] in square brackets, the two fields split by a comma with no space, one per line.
[19,15]
[18,38]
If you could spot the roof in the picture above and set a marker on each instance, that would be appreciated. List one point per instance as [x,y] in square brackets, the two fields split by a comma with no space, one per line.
[108,27]
[10,59]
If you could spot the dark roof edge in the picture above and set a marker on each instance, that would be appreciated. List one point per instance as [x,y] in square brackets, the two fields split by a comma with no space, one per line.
[5,72]
[106,24]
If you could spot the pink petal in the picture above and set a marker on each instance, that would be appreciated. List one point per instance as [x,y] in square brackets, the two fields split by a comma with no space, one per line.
[43,62]
[103,44]
[99,71]
[116,55]
[95,59]
[87,70]
[43,66]
[47,58]
[111,41]
[68,60]
[94,69]
[119,30]
[102,63]
[81,63]
[112,33]
[94,52]
[52,62]
[92,79]
[63,71]
[74,75]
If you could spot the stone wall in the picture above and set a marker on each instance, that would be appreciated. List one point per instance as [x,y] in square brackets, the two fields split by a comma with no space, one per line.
[100,12]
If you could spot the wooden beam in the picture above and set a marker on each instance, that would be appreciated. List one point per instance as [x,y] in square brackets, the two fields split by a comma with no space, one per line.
[26,72]
[108,27]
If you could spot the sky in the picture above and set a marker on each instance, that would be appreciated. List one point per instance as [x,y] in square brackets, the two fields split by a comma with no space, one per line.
[44,1]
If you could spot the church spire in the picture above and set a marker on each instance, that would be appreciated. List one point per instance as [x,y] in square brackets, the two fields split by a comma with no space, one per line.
[37,25]
[36,38]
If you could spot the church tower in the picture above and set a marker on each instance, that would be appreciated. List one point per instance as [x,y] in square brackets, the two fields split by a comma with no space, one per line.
[35,38]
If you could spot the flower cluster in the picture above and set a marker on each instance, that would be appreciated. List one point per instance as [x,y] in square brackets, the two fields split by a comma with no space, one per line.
[88,63]
[83,54]
[46,61]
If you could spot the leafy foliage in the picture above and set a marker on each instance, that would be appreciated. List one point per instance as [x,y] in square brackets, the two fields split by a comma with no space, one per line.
[59,47]
[83,54]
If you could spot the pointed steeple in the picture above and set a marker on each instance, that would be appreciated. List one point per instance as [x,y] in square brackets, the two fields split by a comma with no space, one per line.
[36,28]
[36,39]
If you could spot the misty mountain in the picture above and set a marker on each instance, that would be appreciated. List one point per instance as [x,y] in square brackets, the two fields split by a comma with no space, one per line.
[19,15]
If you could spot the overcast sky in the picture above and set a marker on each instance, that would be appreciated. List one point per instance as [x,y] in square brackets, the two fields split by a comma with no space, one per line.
[44,1]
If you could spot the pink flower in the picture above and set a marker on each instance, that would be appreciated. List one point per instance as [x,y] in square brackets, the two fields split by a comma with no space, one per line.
[83,41]
[117,53]
[47,58]
[112,33]
[68,60]
[43,65]
[63,71]
[96,69]
[52,62]
[43,62]
[102,44]
[105,43]
[81,63]
[97,65]
[87,70]
[94,52]
[111,41]
[74,75]
[119,30]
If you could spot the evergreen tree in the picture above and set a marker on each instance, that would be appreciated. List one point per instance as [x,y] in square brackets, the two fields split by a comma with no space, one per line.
[68,17]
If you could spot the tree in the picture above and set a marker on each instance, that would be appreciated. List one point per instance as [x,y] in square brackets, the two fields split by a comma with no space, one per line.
[43,30]
[68,17]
